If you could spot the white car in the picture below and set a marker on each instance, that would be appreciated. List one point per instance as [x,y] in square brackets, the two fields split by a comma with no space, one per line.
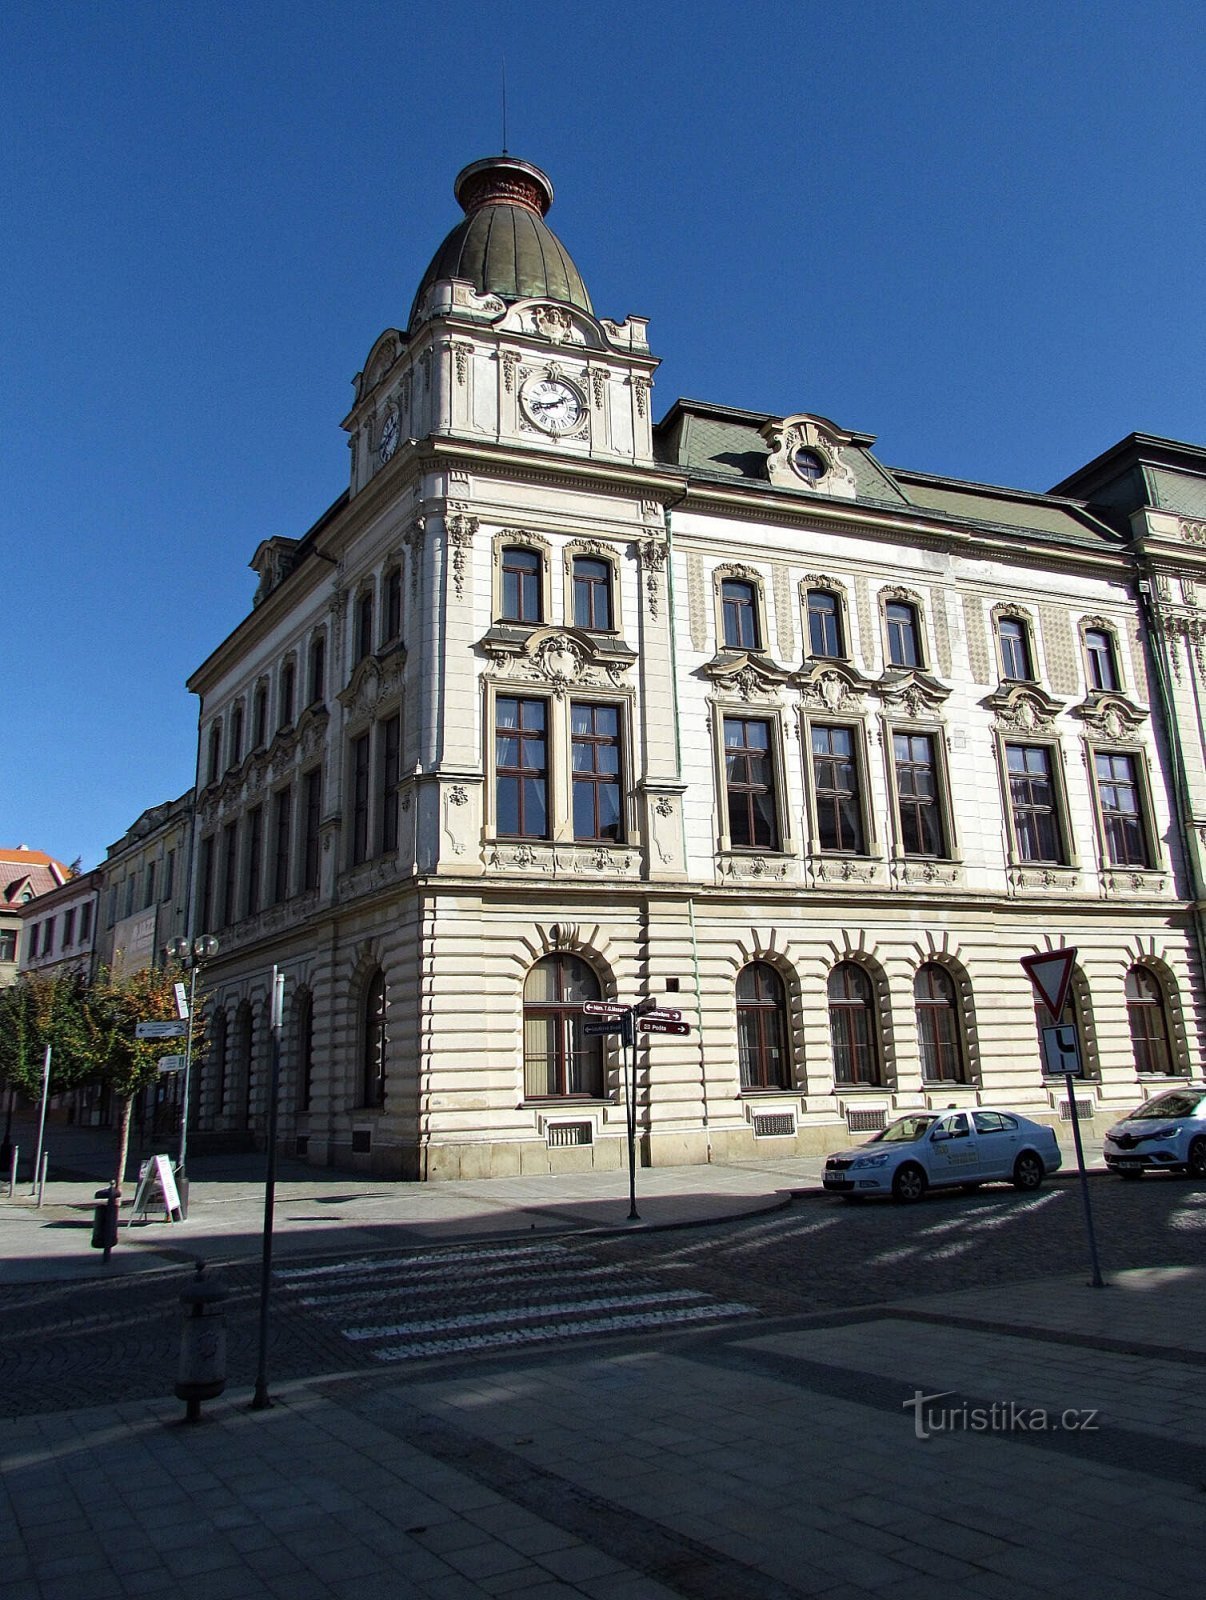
[941,1149]
[1165,1134]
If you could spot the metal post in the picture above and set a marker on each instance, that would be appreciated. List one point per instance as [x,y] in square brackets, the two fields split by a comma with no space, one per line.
[631,1032]
[181,1168]
[12,1171]
[260,1400]
[42,1118]
[42,1175]
[1096,1281]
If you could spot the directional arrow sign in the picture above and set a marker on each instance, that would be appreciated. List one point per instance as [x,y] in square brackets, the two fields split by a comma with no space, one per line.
[1050,971]
[610,1025]
[653,1025]
[663,1014]
[603,1008]
[159,1030]
[171,1063]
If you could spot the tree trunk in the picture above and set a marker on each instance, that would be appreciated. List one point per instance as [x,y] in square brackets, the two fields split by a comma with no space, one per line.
[123,1138]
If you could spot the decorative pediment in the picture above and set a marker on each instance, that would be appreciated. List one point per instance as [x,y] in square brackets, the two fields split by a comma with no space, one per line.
[910,689]
[809,453]
[558,658]
[1110,714]
[831,686]
[745,674]
[1023,708]
[558,324]
[375,679]
[273,561]
[381,359]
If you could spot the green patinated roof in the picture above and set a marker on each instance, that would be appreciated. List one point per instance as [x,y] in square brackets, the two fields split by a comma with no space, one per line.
[975,502]
[1179,492]
[504,246]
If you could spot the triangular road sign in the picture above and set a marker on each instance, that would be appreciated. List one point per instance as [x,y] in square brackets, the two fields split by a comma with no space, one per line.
[1050,971]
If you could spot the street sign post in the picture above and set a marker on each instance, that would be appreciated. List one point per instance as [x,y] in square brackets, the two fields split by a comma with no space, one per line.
[592,1030]
[181,994]
[604,1008]
[662,1014]
[1050,971]
[651,1024]
[160,1030]
[171,1063]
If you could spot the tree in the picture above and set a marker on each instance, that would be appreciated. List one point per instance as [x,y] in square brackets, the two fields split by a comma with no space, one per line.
[40,1010]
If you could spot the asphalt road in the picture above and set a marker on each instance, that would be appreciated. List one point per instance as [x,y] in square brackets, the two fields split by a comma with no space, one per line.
[64,1345]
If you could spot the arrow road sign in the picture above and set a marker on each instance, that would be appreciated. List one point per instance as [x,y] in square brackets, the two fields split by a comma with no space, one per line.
[159,1030]
[611,1025]
[654,1025]
[603,1008]
[663,1014]
[1050,971]
[171,1063]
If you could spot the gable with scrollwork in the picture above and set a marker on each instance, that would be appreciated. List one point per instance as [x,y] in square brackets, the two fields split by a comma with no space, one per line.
[746,675]
[558,658]
[375,680]
[827,685]
[910,689]
[825,441]
[1023,708]
[1110,714]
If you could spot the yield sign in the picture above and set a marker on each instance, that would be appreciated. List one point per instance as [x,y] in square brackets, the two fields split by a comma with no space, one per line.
[1050,971]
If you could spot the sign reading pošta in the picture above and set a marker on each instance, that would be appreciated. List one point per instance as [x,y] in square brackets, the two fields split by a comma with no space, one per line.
[159,1030]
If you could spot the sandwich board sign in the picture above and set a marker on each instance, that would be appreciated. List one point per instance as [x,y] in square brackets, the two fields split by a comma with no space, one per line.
[1050,971]
[155,1177]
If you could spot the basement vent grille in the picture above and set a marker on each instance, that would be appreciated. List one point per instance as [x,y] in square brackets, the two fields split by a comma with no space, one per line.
[867,1121]
[561,1134]
[774,1125]
[1084,1109]
[362,1141]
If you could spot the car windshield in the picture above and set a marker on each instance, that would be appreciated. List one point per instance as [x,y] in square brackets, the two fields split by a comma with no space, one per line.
[1177,1103]
[905,1131]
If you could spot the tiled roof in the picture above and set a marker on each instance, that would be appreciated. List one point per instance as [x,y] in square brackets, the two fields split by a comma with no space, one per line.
[27,873]
[1002,508]
[1179,492]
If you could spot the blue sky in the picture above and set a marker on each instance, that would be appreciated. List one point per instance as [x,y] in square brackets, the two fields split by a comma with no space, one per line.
[972,229]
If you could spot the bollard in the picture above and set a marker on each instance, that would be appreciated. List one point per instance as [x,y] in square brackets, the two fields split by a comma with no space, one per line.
[42,1175]
[104,1220]
[202,1371]
[12,1171]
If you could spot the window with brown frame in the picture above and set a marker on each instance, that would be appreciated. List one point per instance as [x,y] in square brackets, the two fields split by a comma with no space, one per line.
[761,1028]
[853,1028]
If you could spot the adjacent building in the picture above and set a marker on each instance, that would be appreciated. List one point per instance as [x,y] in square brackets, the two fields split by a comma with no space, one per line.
[24,875]
[60,927]
[557,704]
[144,900]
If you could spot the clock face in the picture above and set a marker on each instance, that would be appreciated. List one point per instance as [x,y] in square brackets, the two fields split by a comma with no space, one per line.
[553,405]
[388,441]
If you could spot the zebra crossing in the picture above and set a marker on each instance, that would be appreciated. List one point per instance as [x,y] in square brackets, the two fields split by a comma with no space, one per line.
[457,1301]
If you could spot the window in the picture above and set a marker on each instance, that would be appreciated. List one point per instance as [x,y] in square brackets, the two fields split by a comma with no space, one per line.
[129,886]
[230,872]
[921,827]
[852,1031]
[824,624]
[236,735]
[595,731]
[312,804]
[761,1028]
[260,731]
[389,743]
[85,921]
[205,910]
[592,594]
[836,790]
[8,944]
[375,1042]
[149,891]
[522,571]
[393,605]
[245,1056]
[1013,637]
[364,625]
[903,634]
[214,764]
[558,1060]
[938,1028]
[521,768]
[739,605]
[1145,1012]
[288,691]
[1100,659]
[255,855]
[305,1049]
[1036,828]
[217,1062]
[318,670]
[750,785]
[1122,822]
[169,874]
[360,799]
[68,928]
[280,854]
[48,936]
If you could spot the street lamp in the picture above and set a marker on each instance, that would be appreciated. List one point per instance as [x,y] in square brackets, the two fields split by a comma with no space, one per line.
[190,954]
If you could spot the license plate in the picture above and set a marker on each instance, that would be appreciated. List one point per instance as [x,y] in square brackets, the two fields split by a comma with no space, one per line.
[1131,1166]
[837,1180]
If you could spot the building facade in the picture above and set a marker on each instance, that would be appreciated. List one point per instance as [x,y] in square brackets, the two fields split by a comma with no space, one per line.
[144,893]
[24,875]
[59,927]
[555,704]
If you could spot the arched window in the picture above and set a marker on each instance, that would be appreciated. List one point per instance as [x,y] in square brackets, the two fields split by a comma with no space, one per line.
[824,624]
[375,1039]
[1100,661]
[236,734]
[739,602]
[216,1066]
[852,1029]
[1013,636]
[215,752]
[761,1028]
[244,1044]
[1148,1017]
[938,1026]
[304,1044]
[904,634]
[558,1059]
[364,625]
[592,594]
[521,585]
[318,670]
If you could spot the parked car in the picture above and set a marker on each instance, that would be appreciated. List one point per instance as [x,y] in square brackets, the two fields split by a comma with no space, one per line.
[941,1149]
[1165,1134]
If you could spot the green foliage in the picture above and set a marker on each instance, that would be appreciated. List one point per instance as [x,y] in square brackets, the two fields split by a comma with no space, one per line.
[40,1010]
